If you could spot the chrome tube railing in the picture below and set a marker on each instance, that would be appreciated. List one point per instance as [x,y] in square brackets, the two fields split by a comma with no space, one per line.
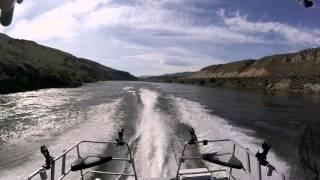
[247,170]
[64,172]
[42,171]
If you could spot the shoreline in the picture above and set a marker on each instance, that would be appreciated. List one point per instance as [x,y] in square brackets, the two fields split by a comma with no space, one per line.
[35,88]
[302,85]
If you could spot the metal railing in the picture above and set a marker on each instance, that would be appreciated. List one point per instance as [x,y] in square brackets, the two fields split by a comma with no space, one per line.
[64,172]
[247,169]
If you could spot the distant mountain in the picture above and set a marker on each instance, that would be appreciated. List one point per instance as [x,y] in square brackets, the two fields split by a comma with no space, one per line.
[178,75]
[26,65]
[167,77]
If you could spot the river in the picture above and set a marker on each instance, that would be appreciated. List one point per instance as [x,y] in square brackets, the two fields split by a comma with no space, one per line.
[156,118]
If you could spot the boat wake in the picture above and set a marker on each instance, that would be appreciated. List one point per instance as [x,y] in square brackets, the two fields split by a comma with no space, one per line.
[208,126]
[152,157]
[156,155]
[156,127]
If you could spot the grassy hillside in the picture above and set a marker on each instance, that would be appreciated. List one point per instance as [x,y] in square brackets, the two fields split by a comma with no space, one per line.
[298,71]
[305,63]
[25,65]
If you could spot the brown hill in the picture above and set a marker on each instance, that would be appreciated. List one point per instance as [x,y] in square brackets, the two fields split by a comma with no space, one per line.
[26,65]
[298,71]
[305,63]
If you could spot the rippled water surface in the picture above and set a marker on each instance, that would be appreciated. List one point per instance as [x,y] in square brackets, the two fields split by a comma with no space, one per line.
[156,118]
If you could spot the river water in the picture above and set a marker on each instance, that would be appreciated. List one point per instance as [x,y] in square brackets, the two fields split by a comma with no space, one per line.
[156,118]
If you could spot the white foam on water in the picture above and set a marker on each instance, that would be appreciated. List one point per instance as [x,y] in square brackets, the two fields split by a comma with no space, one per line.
[101,124]
[208,126]
[130,89]
[152,157]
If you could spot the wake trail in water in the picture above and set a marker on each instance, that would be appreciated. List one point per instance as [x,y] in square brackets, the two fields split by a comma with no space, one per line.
[152,156]
[160,133]
[208,126]
[155,125]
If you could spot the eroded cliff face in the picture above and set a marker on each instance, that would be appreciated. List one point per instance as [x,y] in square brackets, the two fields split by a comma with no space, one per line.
[295,71]
[298,71]
[301,64]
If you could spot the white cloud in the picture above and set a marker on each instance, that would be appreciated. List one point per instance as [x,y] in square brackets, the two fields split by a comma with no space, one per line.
[21,10]
[290,34]
[74,17]
[150,35]
[63,21]
[169,60]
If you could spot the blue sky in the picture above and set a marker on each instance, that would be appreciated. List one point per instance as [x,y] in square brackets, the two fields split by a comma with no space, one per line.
[150,37]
